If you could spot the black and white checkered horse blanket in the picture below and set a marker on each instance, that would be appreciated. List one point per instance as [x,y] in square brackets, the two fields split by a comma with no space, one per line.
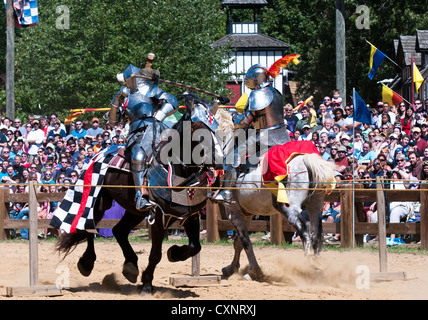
[76,211]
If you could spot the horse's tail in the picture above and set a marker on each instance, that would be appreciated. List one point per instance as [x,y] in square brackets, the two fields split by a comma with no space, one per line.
[320,170]
[67,242]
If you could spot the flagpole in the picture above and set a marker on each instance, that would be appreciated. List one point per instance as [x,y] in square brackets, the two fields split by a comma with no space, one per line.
[353,168]
[386,57]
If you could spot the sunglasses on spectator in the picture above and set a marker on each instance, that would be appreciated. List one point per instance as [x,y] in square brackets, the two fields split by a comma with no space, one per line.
[378,141]
[400,160]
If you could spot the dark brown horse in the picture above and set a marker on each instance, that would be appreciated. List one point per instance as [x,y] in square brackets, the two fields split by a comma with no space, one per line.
[170,208]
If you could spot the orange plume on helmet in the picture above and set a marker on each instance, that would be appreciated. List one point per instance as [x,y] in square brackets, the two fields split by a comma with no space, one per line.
[282,63]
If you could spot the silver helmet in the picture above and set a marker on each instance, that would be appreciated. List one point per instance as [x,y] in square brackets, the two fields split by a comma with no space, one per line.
[256,76]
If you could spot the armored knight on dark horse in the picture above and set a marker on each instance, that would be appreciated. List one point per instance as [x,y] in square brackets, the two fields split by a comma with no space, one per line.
[146,106]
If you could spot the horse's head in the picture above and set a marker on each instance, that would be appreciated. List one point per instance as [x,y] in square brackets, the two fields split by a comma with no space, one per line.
[192,140]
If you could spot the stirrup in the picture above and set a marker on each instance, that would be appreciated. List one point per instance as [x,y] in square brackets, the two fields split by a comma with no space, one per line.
[141,203]
[224,196]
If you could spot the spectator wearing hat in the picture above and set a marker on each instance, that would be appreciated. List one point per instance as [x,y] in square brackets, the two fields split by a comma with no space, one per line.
[331,139]
[420,143]
[78,131]
[95,129]
[341,160]
[34,140]
[345,139]
[424,131]
[307,134]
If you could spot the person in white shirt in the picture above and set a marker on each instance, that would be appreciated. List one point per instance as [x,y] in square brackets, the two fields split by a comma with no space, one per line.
[34,140]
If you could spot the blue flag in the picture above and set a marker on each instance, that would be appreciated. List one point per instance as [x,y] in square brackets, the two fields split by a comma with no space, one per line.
[361,112]
[376,58]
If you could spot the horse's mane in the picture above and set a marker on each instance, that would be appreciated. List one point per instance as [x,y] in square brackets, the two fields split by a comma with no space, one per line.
[224,119]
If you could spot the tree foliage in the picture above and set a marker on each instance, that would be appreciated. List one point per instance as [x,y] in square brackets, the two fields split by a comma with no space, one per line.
[62,69]
[309,27]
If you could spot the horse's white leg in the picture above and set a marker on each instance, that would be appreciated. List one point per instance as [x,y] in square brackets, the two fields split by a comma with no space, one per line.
[293,215]
[314,205]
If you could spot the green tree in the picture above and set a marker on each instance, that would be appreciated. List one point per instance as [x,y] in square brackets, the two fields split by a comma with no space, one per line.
[309,28]
[62,69]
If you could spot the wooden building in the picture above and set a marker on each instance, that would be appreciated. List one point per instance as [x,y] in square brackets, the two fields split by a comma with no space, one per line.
[249,46]
[405,47]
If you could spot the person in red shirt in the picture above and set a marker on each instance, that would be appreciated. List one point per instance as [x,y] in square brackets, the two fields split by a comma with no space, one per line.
[341,160]
[421,144]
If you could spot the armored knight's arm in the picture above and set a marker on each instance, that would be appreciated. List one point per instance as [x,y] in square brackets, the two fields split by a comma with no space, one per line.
[115,112]
[244,120]
[169,105]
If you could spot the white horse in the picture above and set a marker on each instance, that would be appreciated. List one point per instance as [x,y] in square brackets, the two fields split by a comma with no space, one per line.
[309,179]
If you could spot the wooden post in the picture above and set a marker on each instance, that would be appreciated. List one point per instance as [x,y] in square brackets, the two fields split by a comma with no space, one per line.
[381,225]
[3,213]
[34,256]
[346,220]
[424,216]
[340,50]
[10,61]
[196,265]
[276,233]
[212,216]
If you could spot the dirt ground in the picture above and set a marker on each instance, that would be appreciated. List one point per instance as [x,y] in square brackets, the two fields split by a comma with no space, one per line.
[292,275]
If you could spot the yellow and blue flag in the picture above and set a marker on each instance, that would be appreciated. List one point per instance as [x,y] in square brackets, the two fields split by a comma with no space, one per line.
[376,58]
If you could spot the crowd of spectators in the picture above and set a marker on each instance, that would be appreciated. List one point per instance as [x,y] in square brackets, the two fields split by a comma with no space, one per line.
[45,150]
[395,147]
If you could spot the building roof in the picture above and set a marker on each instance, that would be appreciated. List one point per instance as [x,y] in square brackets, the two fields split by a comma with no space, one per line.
[408,47]
[422,40]
[243,3]
[251,41]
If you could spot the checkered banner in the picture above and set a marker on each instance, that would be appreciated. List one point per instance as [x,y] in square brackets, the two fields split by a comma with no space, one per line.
[76,211]
[26,12]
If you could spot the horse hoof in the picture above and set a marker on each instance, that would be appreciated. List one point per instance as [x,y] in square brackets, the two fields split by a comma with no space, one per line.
[316,264]
[130,272]
[172,254]
[85,269]
[247,277]
[145,290]
[228,271]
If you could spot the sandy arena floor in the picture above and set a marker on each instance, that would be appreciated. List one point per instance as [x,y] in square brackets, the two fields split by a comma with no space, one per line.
[291,274]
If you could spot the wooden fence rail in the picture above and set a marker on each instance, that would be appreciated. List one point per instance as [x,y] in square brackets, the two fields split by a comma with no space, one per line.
[351,227]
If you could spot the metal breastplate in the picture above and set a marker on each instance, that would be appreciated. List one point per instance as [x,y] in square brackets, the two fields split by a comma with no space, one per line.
[267,115]
[139,107]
